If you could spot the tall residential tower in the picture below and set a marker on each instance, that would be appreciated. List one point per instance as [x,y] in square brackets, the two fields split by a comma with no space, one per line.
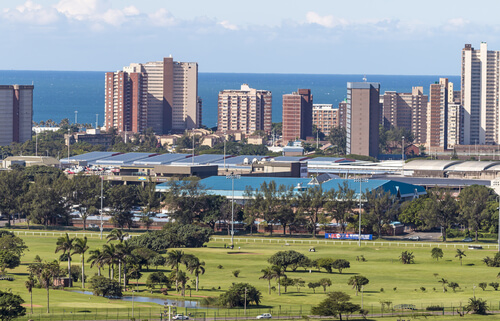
[480,90]
[245,110]
[161,94]
[363,118]
[16,108]
[297,115]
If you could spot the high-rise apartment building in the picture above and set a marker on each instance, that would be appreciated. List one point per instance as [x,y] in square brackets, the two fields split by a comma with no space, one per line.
[16,108]
[297,115]
[162,95]
[437,114]
[245,110]
[480,88]
[325,117]
[406,110]
[363,118]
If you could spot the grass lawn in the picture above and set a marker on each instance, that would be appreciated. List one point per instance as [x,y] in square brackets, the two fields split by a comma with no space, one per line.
[390,281]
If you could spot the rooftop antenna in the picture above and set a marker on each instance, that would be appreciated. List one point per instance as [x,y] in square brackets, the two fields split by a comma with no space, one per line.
[364,78]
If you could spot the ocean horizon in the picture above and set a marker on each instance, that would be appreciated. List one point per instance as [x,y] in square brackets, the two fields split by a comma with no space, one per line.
[58,94]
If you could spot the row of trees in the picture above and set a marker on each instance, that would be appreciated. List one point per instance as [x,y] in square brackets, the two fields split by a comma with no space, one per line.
[475,208]
[44,195]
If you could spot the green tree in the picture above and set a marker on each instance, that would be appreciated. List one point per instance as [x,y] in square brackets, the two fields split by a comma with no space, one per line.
[473,202]
[125,255]
[268,274]
[439,210]
[174,258]
[8,260]
[357,282]
[460,254]
[286,282]
[278,273]
[325,263]
[341,264]
[85,193]
[443,282]
[194,266]
[410,212]
[325,282]
[285,258]
[96,258]
[312,202]
[437,253]
[102,286]
[150,201]
[66,245]
[336,304]
[236,294]
[46,273]
[11,306]
[13,187]
[483,285]
[186,198]
[338,139]
[340,204]
[381,207]
[477,306]
[30,284]
[121,199]
[407,257]
[313,285]
[80,247]
[453,285]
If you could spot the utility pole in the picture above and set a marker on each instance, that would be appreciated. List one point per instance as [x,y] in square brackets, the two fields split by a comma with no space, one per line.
[232,176]
[102,198]
[360,180]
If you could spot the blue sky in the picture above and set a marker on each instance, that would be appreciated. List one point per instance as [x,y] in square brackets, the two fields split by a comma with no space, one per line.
[273,36]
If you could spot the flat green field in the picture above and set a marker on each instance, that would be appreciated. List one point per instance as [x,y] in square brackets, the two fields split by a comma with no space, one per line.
[390,280]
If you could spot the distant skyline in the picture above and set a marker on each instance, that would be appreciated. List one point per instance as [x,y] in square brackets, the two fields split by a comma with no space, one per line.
[316,37]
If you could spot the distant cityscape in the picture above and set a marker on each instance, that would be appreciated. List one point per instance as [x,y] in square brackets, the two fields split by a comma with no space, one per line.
[163,95]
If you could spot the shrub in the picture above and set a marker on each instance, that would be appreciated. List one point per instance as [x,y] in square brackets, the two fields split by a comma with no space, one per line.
[492,262]
[407,257]
[494,285]
[102,286]
[483,285]
[220,267]
[434,308]
[236,273]
[422,289]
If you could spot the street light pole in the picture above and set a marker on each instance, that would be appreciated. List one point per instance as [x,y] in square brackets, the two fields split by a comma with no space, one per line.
[360,180]
[232,176]
[102,197]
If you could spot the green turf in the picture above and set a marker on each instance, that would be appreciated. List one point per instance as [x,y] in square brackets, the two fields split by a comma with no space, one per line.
[400,283]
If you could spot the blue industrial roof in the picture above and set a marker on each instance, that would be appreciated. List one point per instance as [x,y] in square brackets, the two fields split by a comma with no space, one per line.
[123,159]
[220,185]
[89,157]
[164,159]
[199,160]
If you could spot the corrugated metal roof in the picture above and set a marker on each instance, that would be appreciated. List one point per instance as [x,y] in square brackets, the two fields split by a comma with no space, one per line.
[199,160]
[471,166]
[328,160]
[122,159]
[430,165]
[161,159]
[89,157]
[239,160]
[289,158]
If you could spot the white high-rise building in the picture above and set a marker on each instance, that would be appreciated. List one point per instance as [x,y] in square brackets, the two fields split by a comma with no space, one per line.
[480,90]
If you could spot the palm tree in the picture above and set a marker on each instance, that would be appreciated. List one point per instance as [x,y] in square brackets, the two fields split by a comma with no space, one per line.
[96,258]
[109,258]
[197,267]
[117,235]
[80,247]
[174,258]
[65,244]
[182,278]
[124,253]
[443,282]
[268,275]
[29,285]
[278,273]
[460,254]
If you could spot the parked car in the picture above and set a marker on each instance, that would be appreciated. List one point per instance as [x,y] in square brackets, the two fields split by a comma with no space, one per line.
[180,317]
[414,238]
[264,316]
[467,239]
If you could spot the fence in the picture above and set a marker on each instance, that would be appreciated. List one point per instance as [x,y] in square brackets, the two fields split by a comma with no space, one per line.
[346,242]
[54,234]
